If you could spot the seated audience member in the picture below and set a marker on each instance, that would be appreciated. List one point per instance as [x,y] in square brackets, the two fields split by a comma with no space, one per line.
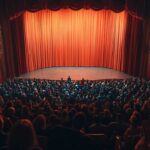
[144,141]
[26,114]
[54,121]
[22,136]
[79,122]
[40,124]
[133,132]
[107,117]
[64,112]
[69,79]
[10,113]
[7,124]
[146,109]
[134,128]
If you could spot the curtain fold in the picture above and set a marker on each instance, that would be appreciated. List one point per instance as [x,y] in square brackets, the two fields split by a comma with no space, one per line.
[74,38]
[13,35]
[17,36]
[136,54]
[8,49]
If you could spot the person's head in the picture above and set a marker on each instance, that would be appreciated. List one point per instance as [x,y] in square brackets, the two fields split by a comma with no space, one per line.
[54,120]
[133,121]
[84,108]
[72,112]
[146,105]
[137,117]
[22,136]
[7,124]
[79,120]
[25,111]
[97,118]
[11,111]
[107,113]
[9,104]
[39,122]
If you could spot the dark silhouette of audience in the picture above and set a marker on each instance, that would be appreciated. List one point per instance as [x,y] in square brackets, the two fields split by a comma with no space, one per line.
[71,115]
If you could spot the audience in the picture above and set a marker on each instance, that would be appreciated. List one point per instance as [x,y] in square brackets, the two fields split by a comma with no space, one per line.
[63,113]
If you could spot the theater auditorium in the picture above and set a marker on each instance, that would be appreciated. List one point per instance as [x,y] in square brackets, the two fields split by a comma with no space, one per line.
[74,74]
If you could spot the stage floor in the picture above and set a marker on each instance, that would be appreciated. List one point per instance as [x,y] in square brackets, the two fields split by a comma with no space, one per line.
[76,73]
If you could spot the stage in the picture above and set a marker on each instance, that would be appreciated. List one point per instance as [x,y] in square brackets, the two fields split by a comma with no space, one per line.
[76,73]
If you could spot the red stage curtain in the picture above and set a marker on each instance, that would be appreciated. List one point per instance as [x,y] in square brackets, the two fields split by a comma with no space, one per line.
[17,31]
[14,57]
[8,49]
[136,49]
[74,38]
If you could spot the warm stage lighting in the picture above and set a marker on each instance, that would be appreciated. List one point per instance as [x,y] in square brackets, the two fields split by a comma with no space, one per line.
[74,38]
